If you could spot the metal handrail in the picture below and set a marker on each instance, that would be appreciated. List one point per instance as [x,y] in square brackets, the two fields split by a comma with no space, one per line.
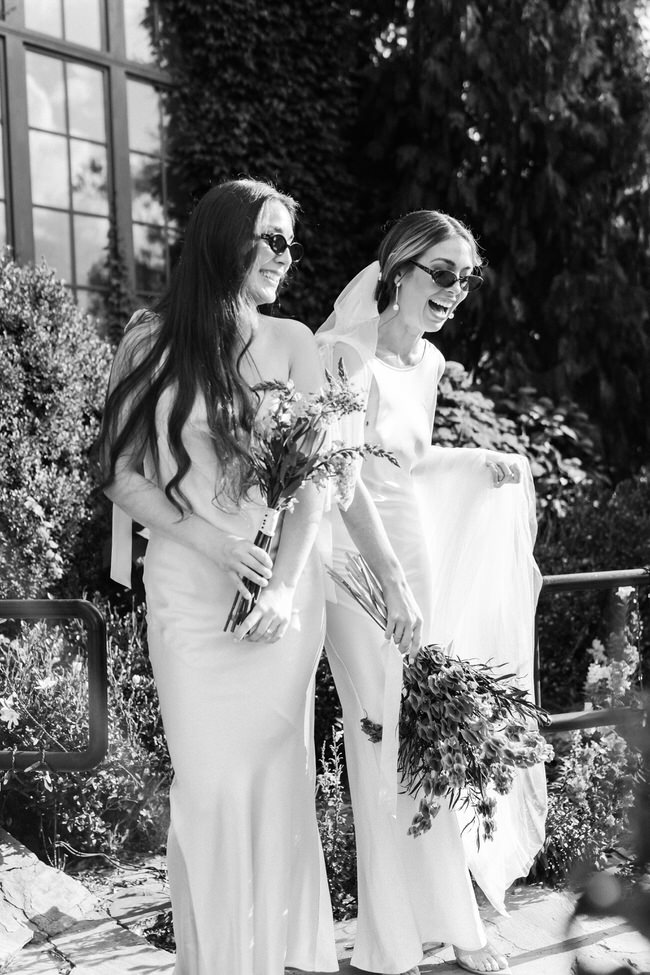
[60,609]
[584,581]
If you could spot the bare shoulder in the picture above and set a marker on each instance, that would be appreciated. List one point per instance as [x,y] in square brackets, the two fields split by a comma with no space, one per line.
[296,346]
[287,329]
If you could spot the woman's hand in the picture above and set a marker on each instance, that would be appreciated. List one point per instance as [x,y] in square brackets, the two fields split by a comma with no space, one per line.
[242,560]
[404,624]
[504,468]
[269,619]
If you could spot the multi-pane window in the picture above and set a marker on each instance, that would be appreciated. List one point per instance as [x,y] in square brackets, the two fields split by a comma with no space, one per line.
[152,232]
[82,147]
[69,170]
[78,21]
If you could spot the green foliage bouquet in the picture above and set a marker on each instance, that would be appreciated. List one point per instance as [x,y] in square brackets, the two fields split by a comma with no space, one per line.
[291,445]
[464,730]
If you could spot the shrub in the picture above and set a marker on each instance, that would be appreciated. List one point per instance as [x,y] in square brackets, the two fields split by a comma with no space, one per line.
[604,529]
[593,780]
[120,805]
[336,828]
[54,371]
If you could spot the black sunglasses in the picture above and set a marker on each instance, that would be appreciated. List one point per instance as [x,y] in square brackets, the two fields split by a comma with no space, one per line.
[278,244]
[445,278]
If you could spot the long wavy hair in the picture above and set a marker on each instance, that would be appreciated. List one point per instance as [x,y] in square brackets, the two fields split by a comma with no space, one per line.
[408,237]
[192,346]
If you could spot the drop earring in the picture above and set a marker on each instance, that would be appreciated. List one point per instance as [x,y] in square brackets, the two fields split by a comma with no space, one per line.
[451,315]
[396,303]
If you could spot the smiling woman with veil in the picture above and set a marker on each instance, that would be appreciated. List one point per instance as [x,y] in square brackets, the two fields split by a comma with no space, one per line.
[454,558]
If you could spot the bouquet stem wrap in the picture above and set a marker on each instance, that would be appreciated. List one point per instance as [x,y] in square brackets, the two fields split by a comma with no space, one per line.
[242,605]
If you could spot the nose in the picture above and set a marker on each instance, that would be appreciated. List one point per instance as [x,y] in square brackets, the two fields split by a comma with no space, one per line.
[284,257]
[455,289]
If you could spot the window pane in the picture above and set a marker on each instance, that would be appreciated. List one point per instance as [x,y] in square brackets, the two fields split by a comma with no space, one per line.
[86,102]
[48,157]
[52,240]
[90,239]
[92,302]
[83,22]
[150,265]
[144,117]
[44,16]
[138,37]
[45,92]
[3,225]
[88,165]
[146,189]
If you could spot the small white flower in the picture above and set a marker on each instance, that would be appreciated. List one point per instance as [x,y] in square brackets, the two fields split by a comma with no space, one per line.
[8,713]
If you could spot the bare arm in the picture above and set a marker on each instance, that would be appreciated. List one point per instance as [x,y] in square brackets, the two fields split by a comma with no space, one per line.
[367,531]
[147,504]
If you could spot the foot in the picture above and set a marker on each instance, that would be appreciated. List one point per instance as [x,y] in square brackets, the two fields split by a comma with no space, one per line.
[486,959]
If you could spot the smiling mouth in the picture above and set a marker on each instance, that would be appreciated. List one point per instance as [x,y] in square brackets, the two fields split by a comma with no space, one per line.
[436,307]
[272,277]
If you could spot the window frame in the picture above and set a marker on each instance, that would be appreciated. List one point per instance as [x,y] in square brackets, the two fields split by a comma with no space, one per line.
[17,40]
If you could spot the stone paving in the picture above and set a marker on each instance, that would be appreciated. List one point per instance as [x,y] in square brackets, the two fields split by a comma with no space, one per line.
[51,924]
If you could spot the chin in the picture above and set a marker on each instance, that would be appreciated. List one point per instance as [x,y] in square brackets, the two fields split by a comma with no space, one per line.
[265,298]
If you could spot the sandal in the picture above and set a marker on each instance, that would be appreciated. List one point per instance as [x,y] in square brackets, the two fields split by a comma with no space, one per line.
[468,960]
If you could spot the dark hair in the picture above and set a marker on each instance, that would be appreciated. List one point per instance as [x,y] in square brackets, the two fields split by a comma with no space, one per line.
[408,237]
[192,346]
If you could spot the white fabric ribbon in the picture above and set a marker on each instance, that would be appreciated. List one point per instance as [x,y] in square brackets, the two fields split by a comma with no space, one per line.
[269,522]
[121,547]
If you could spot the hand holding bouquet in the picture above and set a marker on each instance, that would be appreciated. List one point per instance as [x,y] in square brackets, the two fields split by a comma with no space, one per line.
[464,729]
[289,447]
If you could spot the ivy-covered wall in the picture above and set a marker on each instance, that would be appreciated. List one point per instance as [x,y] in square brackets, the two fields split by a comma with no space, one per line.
[271,90]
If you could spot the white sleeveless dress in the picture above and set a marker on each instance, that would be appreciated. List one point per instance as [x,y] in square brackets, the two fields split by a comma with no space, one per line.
[247,876]
[439,511]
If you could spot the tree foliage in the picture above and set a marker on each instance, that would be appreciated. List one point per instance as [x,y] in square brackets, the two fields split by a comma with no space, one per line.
[530,120]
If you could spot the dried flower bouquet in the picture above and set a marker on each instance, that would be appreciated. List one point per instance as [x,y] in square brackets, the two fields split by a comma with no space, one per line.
[464,729]
[291,445]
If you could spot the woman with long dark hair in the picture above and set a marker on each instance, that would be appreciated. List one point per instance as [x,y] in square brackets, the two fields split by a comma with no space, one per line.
[249,892]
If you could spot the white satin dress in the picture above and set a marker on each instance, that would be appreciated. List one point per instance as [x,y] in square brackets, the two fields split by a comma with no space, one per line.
[466,549]
[247,876]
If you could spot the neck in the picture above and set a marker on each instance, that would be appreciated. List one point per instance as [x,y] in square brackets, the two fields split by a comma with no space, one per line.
[398,341]
[248,325]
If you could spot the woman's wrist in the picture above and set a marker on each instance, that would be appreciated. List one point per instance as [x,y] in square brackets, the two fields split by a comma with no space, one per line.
[390,575]
[287,585]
